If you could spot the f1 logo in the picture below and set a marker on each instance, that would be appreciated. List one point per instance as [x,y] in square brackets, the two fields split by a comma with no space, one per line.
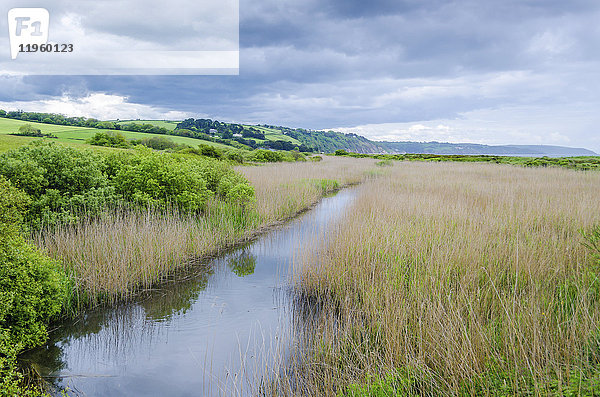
[27,26]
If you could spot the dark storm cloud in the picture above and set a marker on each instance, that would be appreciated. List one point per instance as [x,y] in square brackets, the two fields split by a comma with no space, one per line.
[341,63]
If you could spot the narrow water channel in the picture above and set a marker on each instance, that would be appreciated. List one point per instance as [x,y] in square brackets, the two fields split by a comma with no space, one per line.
[208,333]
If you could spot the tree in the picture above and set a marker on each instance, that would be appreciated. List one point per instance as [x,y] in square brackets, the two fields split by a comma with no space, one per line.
[29,130]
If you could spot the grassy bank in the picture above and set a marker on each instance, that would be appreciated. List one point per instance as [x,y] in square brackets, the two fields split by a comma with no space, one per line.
[115,256]
[454,279]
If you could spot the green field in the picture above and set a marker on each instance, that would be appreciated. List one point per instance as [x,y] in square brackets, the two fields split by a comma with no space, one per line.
[76,136]
[270,134]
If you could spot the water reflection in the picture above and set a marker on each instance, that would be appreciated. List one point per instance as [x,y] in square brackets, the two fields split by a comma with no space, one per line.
[206,332]
[242,263]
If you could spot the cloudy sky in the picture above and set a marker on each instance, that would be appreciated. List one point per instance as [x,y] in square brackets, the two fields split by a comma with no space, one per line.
[484,71]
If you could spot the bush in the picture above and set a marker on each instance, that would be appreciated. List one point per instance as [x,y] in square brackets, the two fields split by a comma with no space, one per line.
[33,289]
[203,150]
[265,156]
[63,182]
[209,151]
[293,155]
[30,130]
[40,166]
[13,203]
[161,143]
[60,180]
[158,180]
[235,156]
[111,139]
[341,152]
[235,189]
[315,158]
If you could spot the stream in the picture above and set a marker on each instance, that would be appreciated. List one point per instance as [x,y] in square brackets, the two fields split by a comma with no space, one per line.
[213,331]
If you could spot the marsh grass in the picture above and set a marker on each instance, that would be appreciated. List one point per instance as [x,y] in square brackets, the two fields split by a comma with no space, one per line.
[453,279]
[117,255]
[114,256]
[284,190]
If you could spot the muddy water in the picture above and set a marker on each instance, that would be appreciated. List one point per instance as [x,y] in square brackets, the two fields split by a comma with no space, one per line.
[207,333]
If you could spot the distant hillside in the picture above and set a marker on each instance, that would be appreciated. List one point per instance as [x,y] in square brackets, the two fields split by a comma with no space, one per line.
[471,148]
[284,138]
[556,151]
[330,141]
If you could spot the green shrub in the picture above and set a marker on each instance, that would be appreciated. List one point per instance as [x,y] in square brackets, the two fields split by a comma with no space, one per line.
[209,151]
[30,130]
[236,156]
[235,189]
[315,158]
[159,180]
[203,150]
[64,183]
[265,156]
[341,152]
[33,289]
[40,166]
[60,180]
[13,204]
[111,139]
[161,143]
[297,156]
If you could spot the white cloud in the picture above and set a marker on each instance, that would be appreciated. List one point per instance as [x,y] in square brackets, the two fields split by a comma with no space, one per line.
[572,125]
[97,105]
[550,43]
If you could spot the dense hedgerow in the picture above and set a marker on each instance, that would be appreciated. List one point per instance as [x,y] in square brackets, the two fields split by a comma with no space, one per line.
[65,182]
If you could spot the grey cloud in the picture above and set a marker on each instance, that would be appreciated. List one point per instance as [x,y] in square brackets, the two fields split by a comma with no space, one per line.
[330,63]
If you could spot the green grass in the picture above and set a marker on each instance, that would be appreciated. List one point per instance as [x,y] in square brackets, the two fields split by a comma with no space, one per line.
[76,136]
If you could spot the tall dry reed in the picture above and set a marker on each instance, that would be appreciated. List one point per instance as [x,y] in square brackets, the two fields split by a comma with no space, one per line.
[115,256]
[284,189]
[458,279]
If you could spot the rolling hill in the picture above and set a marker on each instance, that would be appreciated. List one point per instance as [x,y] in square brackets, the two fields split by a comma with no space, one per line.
[76,130]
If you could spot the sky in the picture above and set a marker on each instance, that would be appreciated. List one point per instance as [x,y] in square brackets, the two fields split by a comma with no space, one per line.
[481,71]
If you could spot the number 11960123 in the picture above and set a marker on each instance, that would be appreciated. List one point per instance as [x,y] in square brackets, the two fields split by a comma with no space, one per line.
[46,48]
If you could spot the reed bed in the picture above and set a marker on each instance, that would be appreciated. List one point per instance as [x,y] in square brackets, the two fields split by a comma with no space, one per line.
[452,279]
[115,256]
[285,189]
